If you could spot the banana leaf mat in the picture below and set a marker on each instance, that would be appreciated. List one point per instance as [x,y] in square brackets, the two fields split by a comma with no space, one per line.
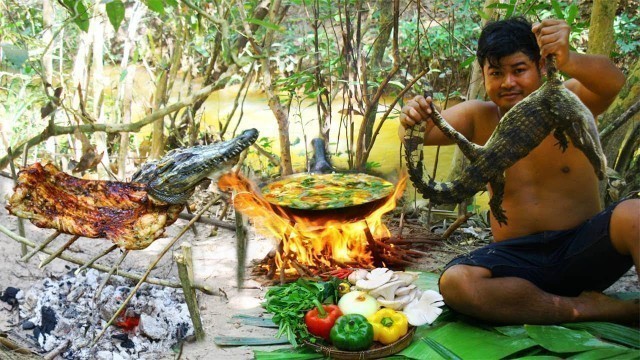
[453,336]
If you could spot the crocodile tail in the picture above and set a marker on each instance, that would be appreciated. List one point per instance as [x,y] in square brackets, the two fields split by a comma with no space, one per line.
[437,192]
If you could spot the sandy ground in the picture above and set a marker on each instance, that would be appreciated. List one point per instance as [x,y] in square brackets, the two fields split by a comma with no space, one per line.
[215,265]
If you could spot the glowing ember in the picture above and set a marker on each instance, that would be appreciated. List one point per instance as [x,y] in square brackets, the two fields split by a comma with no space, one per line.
[128,323]
[317,243]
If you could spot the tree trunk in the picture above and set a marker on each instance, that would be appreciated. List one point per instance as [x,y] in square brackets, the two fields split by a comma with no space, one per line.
[97,86]
[615,142]
[476,88]
[601,28]
[280,111]
[475,91]
[379,50]
[47,36]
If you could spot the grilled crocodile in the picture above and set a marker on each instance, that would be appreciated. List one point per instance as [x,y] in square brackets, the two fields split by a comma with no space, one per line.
[130,214]
[551,108]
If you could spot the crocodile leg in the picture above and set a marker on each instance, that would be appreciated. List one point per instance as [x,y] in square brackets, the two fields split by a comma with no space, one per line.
[497,187]
[561,136]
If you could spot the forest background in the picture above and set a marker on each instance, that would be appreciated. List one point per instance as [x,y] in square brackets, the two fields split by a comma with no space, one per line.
[101,86]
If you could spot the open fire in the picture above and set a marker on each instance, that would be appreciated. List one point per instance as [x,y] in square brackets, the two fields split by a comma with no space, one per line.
[318,242]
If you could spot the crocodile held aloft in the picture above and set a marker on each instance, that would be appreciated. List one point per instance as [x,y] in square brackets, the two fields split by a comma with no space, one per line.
[551,108]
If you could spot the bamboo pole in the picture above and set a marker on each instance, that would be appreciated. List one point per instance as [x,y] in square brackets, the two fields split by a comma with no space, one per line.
[151,267]
[113,269]
[155,281]
[40,247]
[95,258]
[241,248]
[189,296]
[15,181]
[57,253]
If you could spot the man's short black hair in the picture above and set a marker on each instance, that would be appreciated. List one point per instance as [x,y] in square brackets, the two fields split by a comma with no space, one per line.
[506,37]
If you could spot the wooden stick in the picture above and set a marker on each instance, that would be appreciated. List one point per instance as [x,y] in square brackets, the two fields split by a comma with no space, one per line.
[193,228]
[187,252]
[40,247]
[155,281]
[15,181]
[57,351]
[209,221]
[113,269]
[189,296]
[151,267]
[95,258]
[59,251]
[241,248]
[456,224]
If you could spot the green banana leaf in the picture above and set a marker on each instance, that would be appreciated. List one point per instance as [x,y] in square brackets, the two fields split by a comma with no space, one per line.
[607,353]
[454,336]
[609,331]
[285,354]
[562,340]
[427,280]
[467,342]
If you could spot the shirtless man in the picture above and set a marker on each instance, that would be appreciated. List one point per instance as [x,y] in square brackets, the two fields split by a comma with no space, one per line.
[559,249]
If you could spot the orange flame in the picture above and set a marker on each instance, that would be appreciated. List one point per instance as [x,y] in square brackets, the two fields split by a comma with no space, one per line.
[320,242]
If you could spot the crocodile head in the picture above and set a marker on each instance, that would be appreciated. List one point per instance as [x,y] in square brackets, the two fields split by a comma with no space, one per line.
[173,178]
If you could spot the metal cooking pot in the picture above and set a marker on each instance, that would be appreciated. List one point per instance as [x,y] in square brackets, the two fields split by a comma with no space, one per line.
[323,192]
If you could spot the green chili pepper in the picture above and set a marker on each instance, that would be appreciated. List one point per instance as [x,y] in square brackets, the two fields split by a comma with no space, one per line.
[352,333]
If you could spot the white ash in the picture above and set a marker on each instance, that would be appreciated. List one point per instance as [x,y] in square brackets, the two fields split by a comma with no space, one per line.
[164,317]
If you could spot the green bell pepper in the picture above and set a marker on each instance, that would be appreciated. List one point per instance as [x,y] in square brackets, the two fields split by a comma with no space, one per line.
[352,333]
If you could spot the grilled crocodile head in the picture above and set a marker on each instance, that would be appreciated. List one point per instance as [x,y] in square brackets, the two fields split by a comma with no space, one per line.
[173,178]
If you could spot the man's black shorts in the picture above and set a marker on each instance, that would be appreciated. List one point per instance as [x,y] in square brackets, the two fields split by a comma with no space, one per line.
[565,262]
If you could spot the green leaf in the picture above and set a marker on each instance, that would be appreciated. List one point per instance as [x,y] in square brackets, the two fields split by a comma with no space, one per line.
[511,9]
[440,349]
[172,3]
[247,341]
[78,12]
[618,354]
[286,354]
[259,321]
[14,54]
[397,83]
[266,24]
[467,342]
[572,12]
[609,331]
[467,62]
[155,5]
[557,9]
[115,13]
[560,339]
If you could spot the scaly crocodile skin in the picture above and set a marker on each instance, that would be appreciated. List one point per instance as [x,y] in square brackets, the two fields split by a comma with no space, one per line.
[551,108]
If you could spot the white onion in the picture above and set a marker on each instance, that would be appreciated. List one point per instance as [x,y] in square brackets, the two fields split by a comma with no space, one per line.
[358,302]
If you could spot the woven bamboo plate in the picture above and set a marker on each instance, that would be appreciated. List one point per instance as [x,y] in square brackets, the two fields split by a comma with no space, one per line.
[377,350]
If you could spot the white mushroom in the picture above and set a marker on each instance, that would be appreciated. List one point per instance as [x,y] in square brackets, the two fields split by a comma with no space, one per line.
[408,298]
[424,310]
[376,278]
[391,304]
[357,275]
[404,290]
[379,271]
[407,277]
[386,291]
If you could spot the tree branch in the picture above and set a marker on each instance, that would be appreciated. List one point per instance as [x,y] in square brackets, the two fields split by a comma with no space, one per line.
[54,130]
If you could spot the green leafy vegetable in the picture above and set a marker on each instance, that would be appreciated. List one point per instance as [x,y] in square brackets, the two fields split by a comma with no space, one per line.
[288,304]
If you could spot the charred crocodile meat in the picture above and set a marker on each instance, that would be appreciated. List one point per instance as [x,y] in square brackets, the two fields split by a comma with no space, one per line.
[551,108]
[130,214]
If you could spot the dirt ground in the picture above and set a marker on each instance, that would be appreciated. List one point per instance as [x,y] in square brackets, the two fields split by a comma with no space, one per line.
[215,265]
